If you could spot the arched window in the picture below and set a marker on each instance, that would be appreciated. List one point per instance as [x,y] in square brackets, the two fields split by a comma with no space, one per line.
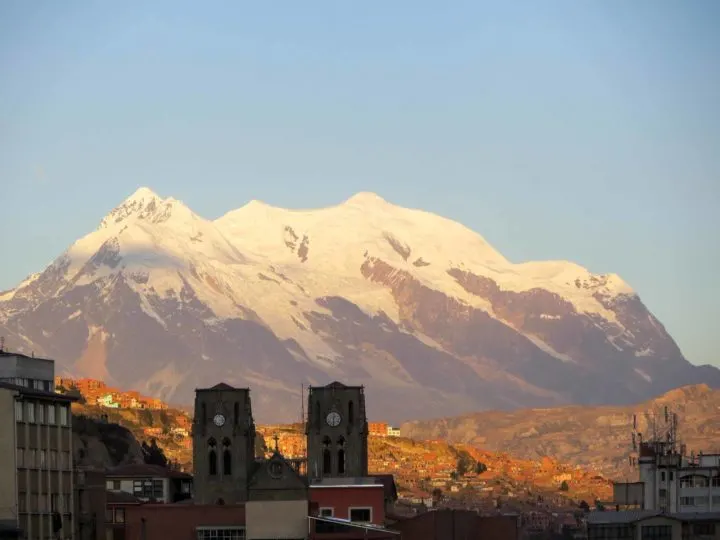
[227,457]
[351,413]
[237,413]
[212,457]
[318,420]
[204,413]
[341,455]
[327,457]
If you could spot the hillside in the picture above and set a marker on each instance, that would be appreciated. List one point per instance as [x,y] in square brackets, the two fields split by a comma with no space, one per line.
[112,435]
[424,312]
[594,437]
[419,467]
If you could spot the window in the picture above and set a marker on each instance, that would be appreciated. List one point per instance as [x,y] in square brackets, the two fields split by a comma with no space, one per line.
[116,485]
[327,512]
[704,529]
[63,415]
[695,481]
[108,515]
[237,413]
[656,532]
[662,476]
[30,458]
[341,461]
[227,457]
[38,385]
[51,414]
[20,457]
[716,481]
[672,476]
[55,503]
[212,457]
[221,533]
[119,515]
[42,456]
[30,410]
[19,411]
[41,413]
[22,501]
[43,503]
[351,413]
[362,515]
[53,459]
[327,461]
[318,420]
[148,489]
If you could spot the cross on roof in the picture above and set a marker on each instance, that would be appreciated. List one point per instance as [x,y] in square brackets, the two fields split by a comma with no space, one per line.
[276,439]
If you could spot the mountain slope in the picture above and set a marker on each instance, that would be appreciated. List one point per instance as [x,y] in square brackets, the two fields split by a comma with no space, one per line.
[419,308]
[597,437]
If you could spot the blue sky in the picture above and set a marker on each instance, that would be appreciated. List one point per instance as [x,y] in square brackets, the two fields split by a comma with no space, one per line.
[558,129]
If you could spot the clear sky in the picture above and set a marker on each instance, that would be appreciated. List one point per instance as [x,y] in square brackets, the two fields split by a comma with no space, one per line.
[558,129]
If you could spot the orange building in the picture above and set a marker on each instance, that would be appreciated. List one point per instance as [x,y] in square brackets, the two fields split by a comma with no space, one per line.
[379,429]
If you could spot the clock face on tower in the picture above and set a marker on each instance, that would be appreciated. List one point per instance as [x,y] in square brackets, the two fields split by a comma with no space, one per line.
[219,420]
[333,419]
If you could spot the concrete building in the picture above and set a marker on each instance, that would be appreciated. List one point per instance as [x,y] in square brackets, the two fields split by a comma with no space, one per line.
[150,483]
[27,371]
[653,525]
[36,469]
[672,482]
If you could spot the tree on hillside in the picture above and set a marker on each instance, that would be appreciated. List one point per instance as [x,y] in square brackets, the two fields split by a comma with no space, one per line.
[584,506]
[145,417]
[437,495]
[153,454]
[564,486]
[464,463]
[480,468]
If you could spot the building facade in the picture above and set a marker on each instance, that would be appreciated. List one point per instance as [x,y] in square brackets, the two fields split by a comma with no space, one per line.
[27,371]
[223,444]
[36,472]
[677,483]
[337,432]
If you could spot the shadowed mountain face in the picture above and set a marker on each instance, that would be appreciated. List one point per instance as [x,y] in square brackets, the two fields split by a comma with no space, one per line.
[595,437]
[416,307]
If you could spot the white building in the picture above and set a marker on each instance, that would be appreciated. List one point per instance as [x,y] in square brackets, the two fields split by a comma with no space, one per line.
[393,431]
[676,483]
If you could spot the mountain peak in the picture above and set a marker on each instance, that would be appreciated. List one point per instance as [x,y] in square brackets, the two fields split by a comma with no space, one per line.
[365,198]
[142,194]
[144,203]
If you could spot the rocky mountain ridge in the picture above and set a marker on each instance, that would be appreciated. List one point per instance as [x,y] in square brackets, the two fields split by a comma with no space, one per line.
[597,438]
[418,308]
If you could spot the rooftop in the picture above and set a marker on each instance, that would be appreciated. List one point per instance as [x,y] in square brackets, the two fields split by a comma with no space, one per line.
[144,470]
[633,516]
[32,392]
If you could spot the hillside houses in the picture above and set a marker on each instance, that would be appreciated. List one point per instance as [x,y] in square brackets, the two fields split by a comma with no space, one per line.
[96,392]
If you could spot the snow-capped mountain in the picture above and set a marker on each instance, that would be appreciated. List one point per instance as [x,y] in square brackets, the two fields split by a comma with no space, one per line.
[420,309]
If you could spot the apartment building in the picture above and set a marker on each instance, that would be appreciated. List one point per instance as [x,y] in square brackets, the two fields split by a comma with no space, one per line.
[677,483]
[36,469]
[27,371]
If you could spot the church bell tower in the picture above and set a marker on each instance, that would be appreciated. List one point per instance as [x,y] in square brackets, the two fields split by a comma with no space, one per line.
[223,444]
[337,432]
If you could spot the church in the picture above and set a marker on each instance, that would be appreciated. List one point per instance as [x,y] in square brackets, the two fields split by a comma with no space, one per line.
[333,490]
